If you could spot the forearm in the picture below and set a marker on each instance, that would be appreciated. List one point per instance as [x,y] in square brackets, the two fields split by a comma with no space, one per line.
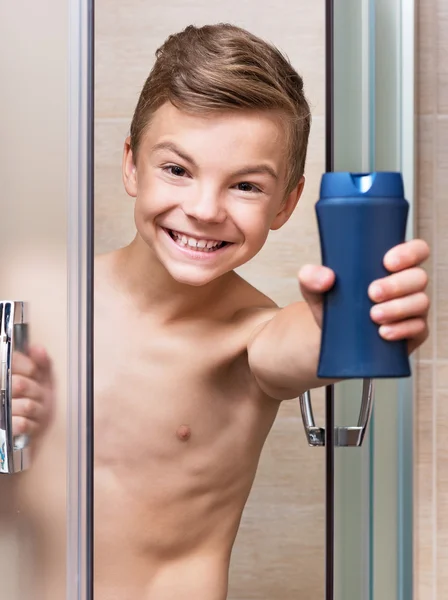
[284,353]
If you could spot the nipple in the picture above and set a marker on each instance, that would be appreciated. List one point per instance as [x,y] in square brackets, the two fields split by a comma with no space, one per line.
[184,433]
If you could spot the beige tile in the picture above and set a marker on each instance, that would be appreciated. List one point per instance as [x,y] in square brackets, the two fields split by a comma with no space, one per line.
[424,212]
[441,309]
[128,33]
[424,485]
[441,205]
[442,57]
[425,56]
[425,152]
[424,411]
[114,222]
[426,350]
[425,231]
[442,494]
[441,376]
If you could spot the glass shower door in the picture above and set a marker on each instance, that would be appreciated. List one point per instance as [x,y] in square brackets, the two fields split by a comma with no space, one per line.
[373,113]
[43,262]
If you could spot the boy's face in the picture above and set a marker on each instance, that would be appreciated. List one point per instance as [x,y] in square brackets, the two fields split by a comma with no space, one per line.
[209,189]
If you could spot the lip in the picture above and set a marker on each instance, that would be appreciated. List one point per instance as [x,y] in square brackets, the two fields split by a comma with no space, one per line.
[195,254]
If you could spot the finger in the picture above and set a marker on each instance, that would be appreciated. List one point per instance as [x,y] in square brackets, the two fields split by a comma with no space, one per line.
[23,365]
[43,363]
[28,409]
[24,426]
[39,355]
[404,256]
[23,387]
[415,305]
[412,328]
[399,284]
[314,280]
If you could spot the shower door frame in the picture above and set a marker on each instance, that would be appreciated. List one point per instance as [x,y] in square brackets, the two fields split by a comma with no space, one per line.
[386,114]
[80,231]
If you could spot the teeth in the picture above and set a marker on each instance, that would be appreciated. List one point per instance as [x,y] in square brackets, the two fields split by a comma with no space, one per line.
[204,245]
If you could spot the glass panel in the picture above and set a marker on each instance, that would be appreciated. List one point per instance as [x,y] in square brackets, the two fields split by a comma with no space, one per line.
[279,549]
[42,263]
[373,486]
[352,152]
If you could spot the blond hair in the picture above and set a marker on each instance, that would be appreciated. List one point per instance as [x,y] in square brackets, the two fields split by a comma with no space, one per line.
[223,67]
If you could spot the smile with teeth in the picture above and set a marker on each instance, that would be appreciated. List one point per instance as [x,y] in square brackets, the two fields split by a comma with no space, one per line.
[201,245]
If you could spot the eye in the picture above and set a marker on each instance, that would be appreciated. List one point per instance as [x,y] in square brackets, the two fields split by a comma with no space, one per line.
[174,170]
[244,186]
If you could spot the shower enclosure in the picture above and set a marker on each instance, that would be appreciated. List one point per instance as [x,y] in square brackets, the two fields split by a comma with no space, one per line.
[360,539]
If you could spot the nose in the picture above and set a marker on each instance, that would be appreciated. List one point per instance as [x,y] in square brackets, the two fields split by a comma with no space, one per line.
[205,205]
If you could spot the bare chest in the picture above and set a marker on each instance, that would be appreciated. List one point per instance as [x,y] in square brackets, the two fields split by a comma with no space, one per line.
[163,402]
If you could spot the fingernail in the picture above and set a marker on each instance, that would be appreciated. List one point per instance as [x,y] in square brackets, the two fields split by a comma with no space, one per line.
[386,331]
[376,291]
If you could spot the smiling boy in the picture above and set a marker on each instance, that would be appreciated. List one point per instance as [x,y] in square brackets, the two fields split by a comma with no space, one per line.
[192,362]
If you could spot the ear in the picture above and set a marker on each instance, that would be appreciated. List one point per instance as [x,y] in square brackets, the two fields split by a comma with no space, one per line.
[129,169]
[288,205]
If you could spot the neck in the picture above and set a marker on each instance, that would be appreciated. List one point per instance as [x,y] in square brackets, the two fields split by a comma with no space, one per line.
[148,283]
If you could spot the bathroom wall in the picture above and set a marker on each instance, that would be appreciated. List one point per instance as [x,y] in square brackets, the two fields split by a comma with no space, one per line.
[280,549]
[431,423]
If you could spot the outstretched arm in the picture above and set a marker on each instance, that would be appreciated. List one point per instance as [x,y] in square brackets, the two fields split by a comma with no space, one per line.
[284,351]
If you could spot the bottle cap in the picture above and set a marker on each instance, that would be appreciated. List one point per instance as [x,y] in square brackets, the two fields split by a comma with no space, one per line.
[343,184]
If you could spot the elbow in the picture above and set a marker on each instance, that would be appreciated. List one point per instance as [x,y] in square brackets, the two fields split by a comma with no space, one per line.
[268,375]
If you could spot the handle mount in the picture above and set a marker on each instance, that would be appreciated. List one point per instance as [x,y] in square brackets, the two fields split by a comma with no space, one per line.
[343,436]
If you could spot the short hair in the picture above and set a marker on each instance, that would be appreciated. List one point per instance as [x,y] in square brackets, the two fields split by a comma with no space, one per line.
[224,67]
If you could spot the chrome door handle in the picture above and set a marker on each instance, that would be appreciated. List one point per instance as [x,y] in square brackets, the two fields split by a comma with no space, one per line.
[315,435]
[14,450]
[343,436]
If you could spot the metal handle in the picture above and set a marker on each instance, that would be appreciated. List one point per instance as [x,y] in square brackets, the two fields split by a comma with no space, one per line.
[14,450]
[344,436]
[315,435]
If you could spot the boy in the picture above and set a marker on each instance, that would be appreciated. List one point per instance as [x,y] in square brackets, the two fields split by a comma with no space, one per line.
[192,362]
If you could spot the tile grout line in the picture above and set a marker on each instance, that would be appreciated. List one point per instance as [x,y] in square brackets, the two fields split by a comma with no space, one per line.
[428,361]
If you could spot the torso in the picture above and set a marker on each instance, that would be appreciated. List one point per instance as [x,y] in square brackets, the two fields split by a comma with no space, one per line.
[179,428]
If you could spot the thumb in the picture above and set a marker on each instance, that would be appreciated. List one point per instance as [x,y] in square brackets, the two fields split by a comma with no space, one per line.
[315,280]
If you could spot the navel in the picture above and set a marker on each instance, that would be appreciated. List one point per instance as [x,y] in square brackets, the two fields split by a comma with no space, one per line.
[183,433]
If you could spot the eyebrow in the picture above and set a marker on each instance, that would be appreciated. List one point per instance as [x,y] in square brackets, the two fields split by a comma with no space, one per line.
[250,170]
[176,150]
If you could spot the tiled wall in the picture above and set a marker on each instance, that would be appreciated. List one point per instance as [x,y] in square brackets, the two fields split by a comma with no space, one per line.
[279,553]
[431,452]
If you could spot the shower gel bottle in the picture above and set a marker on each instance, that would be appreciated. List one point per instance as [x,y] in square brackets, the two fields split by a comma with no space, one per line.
[360,216]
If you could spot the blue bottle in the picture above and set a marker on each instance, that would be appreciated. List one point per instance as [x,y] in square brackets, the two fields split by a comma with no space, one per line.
[360,216]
